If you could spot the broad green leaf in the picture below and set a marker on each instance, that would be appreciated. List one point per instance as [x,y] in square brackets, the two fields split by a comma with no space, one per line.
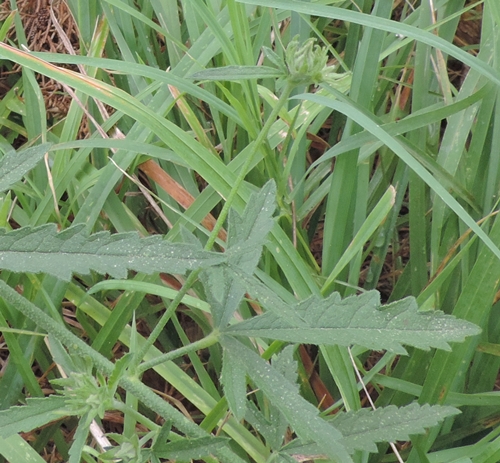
[275,59]
[362,321]
[162,436]
[153,401]
[281,458]
[269,298]
[42,249]
[36,413]
[274,425]
[195,155]
[127,450]
[190,449]
[16,164]
[287,365]
[362,429]
[302,416]
[252,227]
[272,429]
[120,368]
[246,237]
[237,73]
[233,379]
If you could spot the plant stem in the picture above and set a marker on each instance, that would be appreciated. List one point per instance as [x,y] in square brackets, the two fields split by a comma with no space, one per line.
[157,330]
[261,138]
[78,347]
[207,341]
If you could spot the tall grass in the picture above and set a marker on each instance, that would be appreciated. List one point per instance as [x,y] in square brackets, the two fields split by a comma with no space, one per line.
[153,136]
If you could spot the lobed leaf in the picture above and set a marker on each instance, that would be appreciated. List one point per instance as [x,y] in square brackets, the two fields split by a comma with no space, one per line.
[360,320]
[36,413]
[302,416]
[16,164]
[273,427]
[191,449]
[247,235]
[363,428]
[282,458]
[43,249]
[252,227]
[79,439]
[233,379]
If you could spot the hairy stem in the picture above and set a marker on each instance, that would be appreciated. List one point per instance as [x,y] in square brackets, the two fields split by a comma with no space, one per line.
[132,385]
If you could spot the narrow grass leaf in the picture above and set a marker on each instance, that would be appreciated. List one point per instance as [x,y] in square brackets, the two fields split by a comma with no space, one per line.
[489,348]
[42,249]
[363,118]
[179,379]
[118,143]
[138,15]
[237,73]
[182,83]
[360,320]
[15,448]
[36,413]
[15,165]
[367,229]
[395,27]
[195,155]
[430,115]
[148,288]
[6,25]
[302,416]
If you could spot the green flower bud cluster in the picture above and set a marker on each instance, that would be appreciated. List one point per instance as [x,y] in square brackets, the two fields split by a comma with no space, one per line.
[84,394]
[307,64]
